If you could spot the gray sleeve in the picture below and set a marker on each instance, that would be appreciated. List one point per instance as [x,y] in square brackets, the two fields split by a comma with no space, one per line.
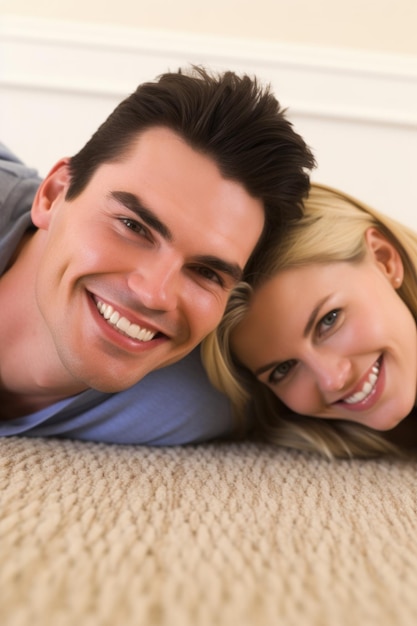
[18,186]
[175,405]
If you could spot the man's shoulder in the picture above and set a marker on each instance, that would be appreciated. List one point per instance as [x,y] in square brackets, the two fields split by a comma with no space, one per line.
[11,167]
[174,405]
[18,185]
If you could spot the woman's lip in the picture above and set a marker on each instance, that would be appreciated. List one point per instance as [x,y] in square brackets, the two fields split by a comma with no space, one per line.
[374,395]
[369,378]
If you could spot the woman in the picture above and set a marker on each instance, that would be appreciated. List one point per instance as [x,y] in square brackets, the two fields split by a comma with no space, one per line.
[323,345]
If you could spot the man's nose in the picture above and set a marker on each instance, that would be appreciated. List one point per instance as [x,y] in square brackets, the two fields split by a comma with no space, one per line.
[157,283]
[332,371]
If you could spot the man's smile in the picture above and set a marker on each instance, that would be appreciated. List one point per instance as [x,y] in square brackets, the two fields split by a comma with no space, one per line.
[122,324]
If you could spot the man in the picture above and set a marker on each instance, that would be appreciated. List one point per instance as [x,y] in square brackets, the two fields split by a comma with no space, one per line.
[125,260]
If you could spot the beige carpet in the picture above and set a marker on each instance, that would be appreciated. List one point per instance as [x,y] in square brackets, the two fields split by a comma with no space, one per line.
[218,535]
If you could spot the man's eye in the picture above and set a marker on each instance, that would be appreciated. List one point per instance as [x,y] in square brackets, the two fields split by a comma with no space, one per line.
[281,370]
[135,226]
[209,274]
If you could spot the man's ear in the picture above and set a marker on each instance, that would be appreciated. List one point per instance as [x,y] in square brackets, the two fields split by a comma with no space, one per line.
[55,184]
[386,256]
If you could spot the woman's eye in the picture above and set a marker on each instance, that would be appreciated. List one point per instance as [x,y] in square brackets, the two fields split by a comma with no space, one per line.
[328,320]
[281,370]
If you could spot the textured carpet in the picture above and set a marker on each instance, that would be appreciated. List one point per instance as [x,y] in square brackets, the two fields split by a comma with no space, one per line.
[217,535]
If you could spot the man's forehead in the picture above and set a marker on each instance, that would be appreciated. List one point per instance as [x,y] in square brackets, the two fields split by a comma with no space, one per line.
[187,184]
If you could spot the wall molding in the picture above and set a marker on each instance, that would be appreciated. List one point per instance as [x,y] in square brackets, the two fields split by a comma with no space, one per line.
[340,84]
[356,109]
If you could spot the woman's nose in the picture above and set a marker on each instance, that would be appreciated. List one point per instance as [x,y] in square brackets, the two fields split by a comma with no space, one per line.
[332,372]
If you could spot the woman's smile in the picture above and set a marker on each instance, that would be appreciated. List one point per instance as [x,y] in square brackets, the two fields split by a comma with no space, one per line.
[367,389]
[335,352]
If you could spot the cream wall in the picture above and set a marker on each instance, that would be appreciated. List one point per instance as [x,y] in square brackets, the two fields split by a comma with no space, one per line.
[350,88]
[380,25]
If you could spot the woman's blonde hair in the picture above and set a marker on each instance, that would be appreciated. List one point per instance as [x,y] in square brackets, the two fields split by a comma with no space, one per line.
[332,229]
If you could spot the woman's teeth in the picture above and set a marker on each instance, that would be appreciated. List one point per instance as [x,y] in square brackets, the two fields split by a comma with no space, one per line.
[122,323]
[367,388]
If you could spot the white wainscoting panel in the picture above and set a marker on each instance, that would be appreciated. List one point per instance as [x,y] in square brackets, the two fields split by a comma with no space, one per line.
[357,110]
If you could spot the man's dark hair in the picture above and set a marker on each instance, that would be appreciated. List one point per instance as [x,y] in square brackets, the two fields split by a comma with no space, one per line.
[231,119]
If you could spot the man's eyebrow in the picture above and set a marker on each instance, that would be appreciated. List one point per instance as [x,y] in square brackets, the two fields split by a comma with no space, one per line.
[313,315]
[215,263]
[133,203]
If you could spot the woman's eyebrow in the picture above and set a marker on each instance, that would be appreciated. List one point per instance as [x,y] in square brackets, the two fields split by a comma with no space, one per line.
[313,315]
[310,323]
[265,368]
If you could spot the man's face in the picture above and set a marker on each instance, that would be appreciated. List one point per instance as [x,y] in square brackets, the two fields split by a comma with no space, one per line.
[137,269]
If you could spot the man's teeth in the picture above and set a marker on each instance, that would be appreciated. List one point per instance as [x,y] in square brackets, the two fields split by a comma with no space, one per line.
[367,387]
[122,323]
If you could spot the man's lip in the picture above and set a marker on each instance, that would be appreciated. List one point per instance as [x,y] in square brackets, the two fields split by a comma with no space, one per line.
[129,316]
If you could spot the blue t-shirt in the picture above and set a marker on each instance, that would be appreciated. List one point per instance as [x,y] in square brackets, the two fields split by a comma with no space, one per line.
[171,406]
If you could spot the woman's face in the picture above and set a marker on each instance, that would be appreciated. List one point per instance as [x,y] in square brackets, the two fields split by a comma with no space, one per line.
[335,340]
